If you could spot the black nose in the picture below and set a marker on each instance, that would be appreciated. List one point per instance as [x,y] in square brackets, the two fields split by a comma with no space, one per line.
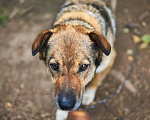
[66,100]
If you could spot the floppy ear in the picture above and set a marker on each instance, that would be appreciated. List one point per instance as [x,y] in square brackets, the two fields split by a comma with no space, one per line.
[40,40]
[101,41]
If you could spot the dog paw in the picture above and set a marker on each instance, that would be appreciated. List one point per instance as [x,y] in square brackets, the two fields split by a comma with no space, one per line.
[88,96]
[61,115]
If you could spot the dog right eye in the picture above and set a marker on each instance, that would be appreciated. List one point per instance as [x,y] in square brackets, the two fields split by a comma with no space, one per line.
[54,66]
[83,67]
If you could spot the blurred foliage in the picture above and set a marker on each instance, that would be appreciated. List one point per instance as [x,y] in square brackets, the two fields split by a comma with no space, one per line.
[146,41]
[3,17]
[146,38]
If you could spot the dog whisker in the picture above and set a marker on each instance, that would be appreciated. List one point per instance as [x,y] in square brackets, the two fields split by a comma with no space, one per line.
[51,107]
[47,94]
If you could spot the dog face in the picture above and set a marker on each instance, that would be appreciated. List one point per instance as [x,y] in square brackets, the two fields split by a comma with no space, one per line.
[71,55]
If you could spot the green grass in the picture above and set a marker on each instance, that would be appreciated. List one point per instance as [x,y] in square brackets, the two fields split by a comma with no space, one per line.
[3,17]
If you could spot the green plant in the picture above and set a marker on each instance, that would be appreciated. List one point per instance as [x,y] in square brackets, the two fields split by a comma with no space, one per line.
[3,17]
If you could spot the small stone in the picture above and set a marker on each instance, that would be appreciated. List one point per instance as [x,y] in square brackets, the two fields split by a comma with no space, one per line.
[140,86]
[21,1]
[126,30]
[129,52]
[130,58]
[126,11]
[106,93]
[19,117]
[9,104]
[45,115]
[144,24]
[22,85]
[47,16]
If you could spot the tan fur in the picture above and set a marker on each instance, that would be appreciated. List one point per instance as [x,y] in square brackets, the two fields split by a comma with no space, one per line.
[78,37]
[98,2]
[70,55]
[100,76]
[82,16]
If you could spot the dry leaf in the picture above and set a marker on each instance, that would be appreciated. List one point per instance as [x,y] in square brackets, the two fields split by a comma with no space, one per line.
[146,38]
[9,104]
[144,45]
[136,39]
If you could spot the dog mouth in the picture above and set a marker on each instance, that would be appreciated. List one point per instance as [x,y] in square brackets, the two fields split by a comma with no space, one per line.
[67,100]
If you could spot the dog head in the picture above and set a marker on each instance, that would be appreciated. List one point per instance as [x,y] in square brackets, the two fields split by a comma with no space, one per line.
[71,54]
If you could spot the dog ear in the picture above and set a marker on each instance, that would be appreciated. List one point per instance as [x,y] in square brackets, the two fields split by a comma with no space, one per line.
[101,41]
[40,40]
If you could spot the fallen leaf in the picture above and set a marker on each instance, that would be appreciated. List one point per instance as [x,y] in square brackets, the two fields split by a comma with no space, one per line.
[19,117]
[144,45]
[146,38]
[136,39]
[129,52]
[9,104]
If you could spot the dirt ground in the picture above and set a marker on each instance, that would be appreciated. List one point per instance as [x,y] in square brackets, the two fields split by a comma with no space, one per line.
[25,88]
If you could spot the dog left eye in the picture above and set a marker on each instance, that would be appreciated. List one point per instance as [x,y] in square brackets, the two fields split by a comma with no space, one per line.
[83,67]
[54,66]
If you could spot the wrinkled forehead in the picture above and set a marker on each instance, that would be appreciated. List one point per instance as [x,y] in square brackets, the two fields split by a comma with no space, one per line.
[72,58]
[70,46]
[69,39]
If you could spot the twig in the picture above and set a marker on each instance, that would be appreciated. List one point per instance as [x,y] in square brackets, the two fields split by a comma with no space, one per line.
[13,14]
[144,16]
[26,11]
[136,28]
[120,77]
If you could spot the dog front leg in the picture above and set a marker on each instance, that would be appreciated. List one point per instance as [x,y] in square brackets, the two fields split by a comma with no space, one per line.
[61,115]
[91,88]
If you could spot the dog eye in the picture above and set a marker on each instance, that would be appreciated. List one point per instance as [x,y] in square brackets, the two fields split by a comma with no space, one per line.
[54,66]
[83,67]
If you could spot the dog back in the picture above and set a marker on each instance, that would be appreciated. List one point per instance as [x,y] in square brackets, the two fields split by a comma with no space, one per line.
[95,15]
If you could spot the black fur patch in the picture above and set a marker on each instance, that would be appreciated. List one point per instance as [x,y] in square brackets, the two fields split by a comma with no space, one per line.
[59,12]
[104,14]
[98,60]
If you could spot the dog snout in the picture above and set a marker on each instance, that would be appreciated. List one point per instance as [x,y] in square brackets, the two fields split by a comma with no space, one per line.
[66,100]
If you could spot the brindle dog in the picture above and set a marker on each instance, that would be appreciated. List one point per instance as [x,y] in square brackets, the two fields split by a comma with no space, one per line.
[78,51]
